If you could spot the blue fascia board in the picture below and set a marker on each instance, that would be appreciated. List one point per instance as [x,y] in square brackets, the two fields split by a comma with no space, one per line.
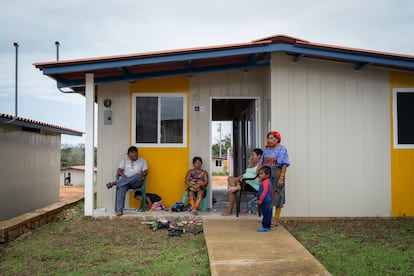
[298,49]
[347,56]
[151,60]
[170,73]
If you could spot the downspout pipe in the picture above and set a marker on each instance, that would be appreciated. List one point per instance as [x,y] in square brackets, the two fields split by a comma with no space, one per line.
[16,46]
[57,44]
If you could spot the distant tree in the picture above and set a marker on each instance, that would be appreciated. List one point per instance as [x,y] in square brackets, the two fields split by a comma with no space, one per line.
[74,155]
[225,144]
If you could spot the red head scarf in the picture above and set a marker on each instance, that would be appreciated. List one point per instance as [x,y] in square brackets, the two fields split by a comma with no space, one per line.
[277,135]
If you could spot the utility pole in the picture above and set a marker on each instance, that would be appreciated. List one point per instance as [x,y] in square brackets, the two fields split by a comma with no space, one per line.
[219,129]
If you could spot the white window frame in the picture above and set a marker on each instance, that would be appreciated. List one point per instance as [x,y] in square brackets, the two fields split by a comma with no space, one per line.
[395,118]
[159,144]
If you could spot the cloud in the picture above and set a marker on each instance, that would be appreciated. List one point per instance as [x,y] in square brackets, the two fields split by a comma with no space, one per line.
[90,28]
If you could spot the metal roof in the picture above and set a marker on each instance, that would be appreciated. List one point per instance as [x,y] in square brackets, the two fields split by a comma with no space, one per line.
[243,56]
[36,126]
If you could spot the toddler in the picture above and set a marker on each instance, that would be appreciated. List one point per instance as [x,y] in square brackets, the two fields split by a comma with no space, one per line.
[265,198]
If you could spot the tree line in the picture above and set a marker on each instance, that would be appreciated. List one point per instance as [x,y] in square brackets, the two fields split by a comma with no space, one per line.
[71,155]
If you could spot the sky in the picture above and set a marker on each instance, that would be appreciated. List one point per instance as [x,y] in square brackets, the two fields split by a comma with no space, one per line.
[93,28]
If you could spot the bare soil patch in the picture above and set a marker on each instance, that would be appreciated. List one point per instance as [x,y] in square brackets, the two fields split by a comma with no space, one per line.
[67,192]
[219,180]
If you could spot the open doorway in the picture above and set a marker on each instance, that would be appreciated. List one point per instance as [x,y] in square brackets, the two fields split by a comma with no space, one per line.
[243,116]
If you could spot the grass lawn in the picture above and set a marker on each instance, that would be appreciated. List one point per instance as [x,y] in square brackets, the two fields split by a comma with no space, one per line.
[371,246]
[75,245]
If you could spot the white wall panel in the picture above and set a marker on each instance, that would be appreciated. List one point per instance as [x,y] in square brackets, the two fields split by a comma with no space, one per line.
[334,121]
[113,139]
[29,167]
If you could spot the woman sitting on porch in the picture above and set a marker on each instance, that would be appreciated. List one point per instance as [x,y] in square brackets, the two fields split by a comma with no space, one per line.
[251,185]
[196,181]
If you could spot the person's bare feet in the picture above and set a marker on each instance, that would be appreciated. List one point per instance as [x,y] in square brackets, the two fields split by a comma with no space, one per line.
[233,189]
[226,213]
[195,213]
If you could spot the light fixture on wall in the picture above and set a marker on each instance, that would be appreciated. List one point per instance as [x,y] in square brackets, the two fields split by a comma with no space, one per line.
[107,103]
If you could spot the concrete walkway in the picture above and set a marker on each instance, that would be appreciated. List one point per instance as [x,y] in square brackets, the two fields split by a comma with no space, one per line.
[235,247]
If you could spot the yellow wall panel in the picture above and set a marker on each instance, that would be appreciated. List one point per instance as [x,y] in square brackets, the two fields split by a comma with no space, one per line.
[167,166]
[402,160]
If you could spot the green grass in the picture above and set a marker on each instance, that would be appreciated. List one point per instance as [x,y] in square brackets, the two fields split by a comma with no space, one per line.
[78,245]
[372,246]
[75,245]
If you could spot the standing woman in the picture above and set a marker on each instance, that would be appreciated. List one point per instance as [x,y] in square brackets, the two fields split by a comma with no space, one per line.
[276,157]
[196,181]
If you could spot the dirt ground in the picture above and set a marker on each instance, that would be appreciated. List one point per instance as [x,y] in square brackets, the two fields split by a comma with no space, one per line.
[67,192]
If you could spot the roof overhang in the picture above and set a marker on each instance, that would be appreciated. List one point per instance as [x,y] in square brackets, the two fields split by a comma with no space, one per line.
[245,56]
[36,126]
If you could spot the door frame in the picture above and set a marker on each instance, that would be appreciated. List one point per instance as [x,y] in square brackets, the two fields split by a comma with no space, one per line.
[257,132]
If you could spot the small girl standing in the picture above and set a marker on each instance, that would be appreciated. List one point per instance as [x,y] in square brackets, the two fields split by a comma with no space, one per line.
[265,198]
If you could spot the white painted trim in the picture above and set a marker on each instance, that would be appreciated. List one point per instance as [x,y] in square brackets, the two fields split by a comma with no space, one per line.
[395,118]
[89,138]
[159,145]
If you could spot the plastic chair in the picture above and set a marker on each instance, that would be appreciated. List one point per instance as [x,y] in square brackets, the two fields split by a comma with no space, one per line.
[244,192]
[203,204]
[143,190]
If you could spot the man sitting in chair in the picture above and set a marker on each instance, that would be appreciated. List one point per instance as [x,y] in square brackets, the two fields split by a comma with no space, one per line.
[132,171]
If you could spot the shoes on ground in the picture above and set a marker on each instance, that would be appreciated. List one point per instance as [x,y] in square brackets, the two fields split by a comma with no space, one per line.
[262,229]
[119,213]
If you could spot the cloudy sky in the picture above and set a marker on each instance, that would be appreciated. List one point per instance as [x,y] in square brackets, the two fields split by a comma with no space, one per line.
[90,28]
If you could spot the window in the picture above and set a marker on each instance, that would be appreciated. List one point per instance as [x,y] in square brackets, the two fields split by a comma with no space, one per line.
[160,120]
[218,163]
[403,117]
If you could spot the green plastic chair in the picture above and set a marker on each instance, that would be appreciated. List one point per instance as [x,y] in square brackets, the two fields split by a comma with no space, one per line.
[143,190]
[203,204]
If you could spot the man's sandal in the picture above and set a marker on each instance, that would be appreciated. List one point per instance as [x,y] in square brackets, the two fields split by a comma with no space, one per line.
[110,185]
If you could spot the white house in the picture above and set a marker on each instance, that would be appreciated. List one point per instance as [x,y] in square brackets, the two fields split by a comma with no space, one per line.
[345,115]
[29,164]
[74,175]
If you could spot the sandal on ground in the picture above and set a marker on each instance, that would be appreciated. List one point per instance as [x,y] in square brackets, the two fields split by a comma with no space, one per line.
[110,185]
[194,212]
[118,214]
[275,224]
[262,229]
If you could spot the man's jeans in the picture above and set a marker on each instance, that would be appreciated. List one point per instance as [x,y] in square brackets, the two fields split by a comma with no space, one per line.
[122,186]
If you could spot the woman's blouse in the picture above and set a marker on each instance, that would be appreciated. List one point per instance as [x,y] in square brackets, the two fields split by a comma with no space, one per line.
[251,173]
[275,157]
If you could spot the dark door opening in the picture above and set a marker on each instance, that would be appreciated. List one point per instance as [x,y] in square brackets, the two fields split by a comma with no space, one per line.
[243,114]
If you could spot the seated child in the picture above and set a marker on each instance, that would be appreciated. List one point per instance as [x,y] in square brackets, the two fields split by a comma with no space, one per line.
[153,201]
